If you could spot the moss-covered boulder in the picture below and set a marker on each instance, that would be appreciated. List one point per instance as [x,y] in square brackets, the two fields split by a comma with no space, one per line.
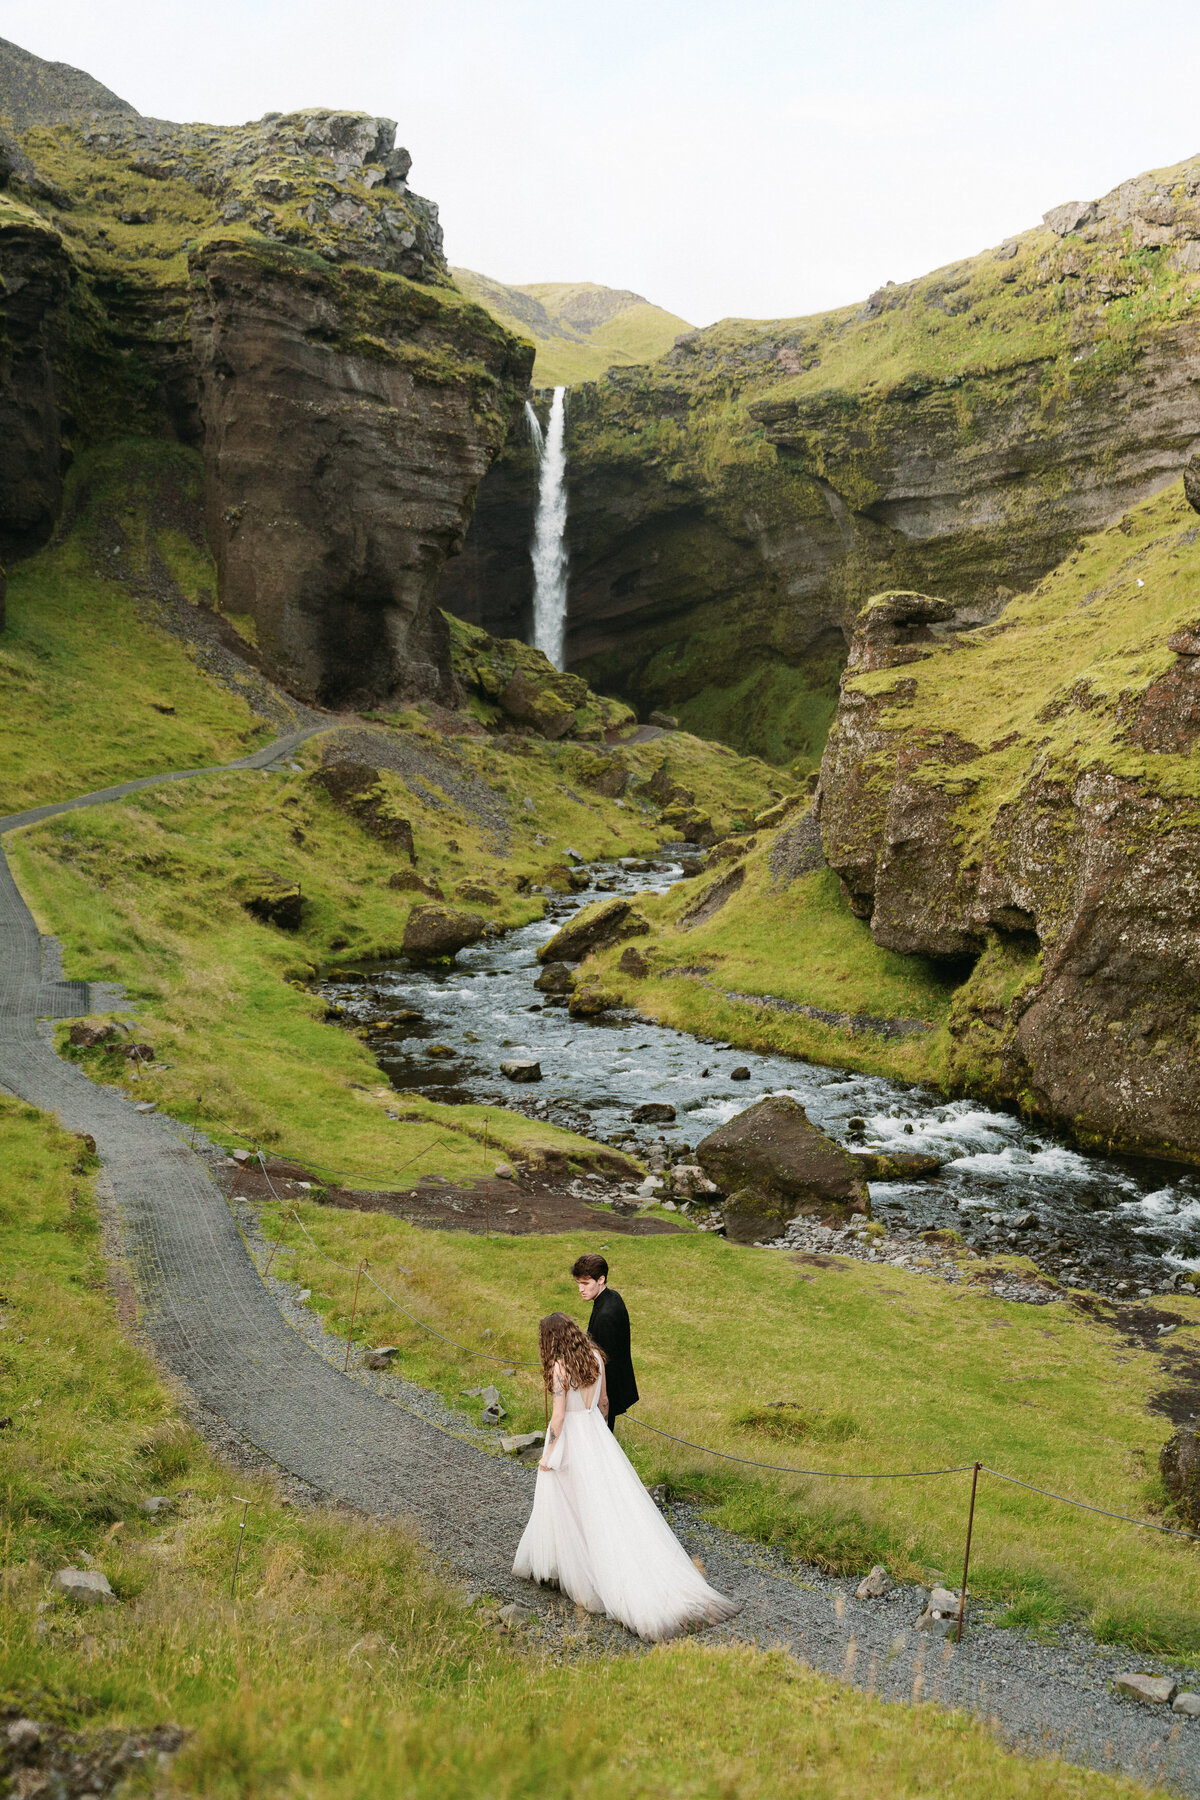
[593,929]
[440,932]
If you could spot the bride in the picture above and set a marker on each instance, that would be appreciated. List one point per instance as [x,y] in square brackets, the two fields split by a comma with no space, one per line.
[594,1529]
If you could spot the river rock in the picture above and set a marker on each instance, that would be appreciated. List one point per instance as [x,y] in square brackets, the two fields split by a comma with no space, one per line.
[593,929]
[518,1070]
[1151,1690]
[1179,1466]
[653,1112]
[588,1000]
[555,978]
[896,1165]
[775,1164]
[441,931]
[741,1074]
[875,1585]
[87,1587]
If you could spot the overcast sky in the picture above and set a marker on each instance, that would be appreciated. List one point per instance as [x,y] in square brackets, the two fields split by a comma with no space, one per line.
[758,158]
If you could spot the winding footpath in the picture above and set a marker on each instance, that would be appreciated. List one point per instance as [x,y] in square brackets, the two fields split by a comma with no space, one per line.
[218,1327]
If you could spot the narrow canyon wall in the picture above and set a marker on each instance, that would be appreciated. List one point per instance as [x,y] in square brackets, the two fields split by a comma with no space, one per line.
[733,505]
[276,295]
[1023,798]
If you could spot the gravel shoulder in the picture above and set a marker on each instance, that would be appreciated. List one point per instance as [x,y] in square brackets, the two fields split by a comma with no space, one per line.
[255,1360]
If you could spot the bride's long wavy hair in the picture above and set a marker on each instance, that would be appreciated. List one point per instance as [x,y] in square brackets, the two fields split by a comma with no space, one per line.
[561,1341]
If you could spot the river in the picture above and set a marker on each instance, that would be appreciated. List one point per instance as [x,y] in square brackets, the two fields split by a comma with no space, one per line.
[1115,1224]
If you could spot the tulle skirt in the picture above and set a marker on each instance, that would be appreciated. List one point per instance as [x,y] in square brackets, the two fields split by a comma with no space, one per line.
[595,1530]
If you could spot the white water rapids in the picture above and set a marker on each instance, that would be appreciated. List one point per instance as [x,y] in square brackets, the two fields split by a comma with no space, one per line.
[550,529]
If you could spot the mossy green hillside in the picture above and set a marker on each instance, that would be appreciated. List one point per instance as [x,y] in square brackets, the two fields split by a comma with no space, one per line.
[891,1369]
[91,691]
[761,464]
[345,1664]
[580,329]
[793,941]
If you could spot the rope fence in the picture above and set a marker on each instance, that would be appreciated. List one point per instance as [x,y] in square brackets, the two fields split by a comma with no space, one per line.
[975,1469]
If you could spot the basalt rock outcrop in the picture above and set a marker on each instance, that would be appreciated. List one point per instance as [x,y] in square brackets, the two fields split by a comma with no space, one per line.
[1022,799]
[275,295]
[731,504]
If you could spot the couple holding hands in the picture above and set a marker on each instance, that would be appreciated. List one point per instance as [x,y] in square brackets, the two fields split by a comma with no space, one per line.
[594,1530]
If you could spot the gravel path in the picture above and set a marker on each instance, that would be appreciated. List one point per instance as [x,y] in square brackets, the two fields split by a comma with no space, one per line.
[252,1361]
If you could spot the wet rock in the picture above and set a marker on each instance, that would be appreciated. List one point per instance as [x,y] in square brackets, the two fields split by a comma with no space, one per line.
[1179,1466]
[875,1585]
[775,1164]
[740,1074]
[380,1358]
[441,931]
[1151,1690]
[441,1052]
[653,1112]
[896,1165]
[593,929]
[587,1001]
[91,1037]
[407,881]
[555,978]
[87,1587]
[518,1070]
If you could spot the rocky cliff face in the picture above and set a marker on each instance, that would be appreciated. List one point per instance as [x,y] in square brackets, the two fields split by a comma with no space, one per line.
[733,504]
[276,294]
[1024,795]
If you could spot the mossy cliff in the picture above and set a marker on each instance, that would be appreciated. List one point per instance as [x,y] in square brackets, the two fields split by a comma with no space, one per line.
[276,296]
[1027,794]
[733,504]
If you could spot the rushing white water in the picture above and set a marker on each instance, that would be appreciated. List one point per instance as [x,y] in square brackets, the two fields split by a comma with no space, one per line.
[550,530]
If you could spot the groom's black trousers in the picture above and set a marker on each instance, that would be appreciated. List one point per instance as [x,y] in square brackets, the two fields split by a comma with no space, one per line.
[612,1421]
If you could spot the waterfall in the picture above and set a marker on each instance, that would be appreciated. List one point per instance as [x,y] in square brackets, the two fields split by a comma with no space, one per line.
[550,530]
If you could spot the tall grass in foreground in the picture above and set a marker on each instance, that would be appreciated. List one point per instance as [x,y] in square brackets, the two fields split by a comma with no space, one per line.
[345,1667]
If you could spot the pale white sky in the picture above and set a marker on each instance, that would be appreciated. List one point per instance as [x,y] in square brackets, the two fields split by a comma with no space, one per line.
[760,158]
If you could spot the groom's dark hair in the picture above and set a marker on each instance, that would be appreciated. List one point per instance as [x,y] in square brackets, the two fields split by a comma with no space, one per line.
[589,1267]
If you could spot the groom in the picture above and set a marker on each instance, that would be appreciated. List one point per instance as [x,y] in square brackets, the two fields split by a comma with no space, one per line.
[608,1327]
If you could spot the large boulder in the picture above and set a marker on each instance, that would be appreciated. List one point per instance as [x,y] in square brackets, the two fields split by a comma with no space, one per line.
[774,1163]
[593,929]
[441,931]
[1179,1466]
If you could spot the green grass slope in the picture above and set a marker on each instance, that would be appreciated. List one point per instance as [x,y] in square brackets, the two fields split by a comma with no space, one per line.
[344,1666]
[579,328]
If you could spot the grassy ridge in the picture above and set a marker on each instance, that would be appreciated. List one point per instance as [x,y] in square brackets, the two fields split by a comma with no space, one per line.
[892,1370]
[345,1668]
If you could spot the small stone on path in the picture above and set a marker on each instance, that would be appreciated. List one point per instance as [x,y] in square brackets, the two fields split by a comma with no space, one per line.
[1153,1690]
[873,1586]
[1187,1704]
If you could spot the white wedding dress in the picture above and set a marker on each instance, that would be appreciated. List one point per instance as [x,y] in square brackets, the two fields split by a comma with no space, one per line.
[595,1530]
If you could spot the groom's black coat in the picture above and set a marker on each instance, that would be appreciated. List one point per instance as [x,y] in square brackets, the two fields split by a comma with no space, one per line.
[609,1327]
